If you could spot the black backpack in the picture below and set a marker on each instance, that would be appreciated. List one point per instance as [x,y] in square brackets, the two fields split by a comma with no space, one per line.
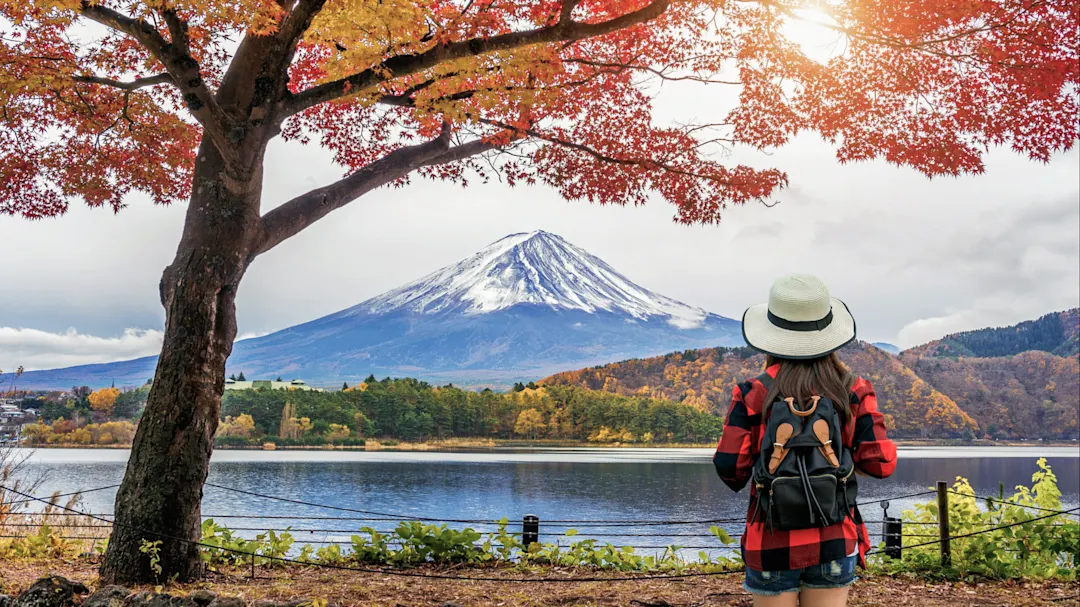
[804,476]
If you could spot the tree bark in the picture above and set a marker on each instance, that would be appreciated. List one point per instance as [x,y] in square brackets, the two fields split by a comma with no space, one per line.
[161,495]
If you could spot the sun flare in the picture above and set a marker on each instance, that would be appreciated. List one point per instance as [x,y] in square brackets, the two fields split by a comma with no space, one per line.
[815,32]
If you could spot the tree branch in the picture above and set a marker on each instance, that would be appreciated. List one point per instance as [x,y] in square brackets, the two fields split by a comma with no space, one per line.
[661,72]
[177,30]
[650,163]
[298,21]
[404,65]
[297,214]
[256,81]
[138,83]
[179,64]
[568,7]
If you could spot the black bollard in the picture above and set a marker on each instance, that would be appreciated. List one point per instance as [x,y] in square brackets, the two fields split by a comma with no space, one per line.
[530,530]
[894,531]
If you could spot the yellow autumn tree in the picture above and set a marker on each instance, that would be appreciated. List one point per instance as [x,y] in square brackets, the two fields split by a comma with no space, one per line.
[338,432]
[530,423]
[289,427]
[242,426]
[103,400]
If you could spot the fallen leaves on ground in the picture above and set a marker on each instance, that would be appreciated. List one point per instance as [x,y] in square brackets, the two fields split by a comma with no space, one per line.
[355,589]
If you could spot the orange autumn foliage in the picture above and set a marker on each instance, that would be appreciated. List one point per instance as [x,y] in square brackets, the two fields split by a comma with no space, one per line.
[705,379]
[564,85]
[103,400]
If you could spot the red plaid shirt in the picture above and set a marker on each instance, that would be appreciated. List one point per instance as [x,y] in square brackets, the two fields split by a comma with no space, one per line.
[874,454]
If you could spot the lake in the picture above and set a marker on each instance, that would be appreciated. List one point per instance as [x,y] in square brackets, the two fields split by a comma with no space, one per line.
[554,484]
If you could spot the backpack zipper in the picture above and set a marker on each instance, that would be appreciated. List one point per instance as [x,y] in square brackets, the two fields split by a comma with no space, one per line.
[843,490]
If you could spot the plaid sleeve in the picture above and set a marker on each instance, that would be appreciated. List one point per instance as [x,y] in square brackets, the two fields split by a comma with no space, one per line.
[734,458]
[872,450]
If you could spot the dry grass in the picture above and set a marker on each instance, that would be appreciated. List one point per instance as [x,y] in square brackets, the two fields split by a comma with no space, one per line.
[353,589]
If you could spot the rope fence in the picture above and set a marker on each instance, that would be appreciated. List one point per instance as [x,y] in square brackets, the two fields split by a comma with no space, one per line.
[892,532]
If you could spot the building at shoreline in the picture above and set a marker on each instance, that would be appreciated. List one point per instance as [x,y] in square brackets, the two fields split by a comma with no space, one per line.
[265,384]
[12,419]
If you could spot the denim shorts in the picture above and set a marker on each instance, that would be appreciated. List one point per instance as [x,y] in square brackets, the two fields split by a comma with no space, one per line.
[834,574]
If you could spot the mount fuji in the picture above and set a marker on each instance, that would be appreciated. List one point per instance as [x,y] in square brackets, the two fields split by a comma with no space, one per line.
[522,308]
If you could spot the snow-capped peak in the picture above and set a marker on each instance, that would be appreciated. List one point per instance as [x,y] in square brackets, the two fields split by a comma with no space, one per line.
[531,268]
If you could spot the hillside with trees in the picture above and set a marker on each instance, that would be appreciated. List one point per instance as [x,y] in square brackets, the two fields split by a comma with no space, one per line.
[1056,333]
[924,392]
[704,380]
[1029,395]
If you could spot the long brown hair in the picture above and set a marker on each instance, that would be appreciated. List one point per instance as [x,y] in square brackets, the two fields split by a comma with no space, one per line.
[824,376]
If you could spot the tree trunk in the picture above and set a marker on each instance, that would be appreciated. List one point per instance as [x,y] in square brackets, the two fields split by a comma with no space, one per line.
[161,495]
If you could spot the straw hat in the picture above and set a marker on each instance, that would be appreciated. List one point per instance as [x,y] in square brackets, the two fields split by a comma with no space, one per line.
[800,321]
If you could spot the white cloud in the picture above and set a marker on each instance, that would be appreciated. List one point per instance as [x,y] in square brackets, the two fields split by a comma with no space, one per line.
[34,349]
[929,329]
[250,335]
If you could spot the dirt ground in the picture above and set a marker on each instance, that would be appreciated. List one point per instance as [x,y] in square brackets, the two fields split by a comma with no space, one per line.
[355,589]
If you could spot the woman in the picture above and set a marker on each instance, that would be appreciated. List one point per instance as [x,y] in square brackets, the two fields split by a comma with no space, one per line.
[799,330]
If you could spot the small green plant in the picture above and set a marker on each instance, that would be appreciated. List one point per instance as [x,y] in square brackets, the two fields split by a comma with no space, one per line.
[330,555]
[414,543]
[152,550]
[421,543]
[47,542]
[223,547]
[1029,549]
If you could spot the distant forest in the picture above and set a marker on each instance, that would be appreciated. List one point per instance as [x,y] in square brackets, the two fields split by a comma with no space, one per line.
[412,410]
[1057,333]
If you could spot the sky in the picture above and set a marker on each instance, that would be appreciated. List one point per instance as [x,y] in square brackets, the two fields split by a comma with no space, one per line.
[913,258]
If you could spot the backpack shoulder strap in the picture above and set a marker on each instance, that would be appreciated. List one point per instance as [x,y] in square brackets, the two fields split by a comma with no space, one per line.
[766,381]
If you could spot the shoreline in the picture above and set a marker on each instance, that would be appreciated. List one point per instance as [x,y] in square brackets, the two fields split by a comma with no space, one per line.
[496,444]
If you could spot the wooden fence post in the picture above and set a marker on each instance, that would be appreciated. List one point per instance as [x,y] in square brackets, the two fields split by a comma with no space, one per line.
[943,523]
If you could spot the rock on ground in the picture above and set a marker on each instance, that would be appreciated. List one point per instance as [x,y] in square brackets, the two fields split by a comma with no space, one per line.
[151,599]
[108,596]
[227,601]
[52,591]
[202,597]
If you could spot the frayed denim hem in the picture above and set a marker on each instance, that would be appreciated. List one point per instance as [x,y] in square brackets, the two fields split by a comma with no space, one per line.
[761,592]
[831,586]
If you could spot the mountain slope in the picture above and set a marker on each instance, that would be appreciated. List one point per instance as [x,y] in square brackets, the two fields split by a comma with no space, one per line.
[537,268]
[523,307]
[1057,333]
[1028,395]
[1021,381]
[706,378]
